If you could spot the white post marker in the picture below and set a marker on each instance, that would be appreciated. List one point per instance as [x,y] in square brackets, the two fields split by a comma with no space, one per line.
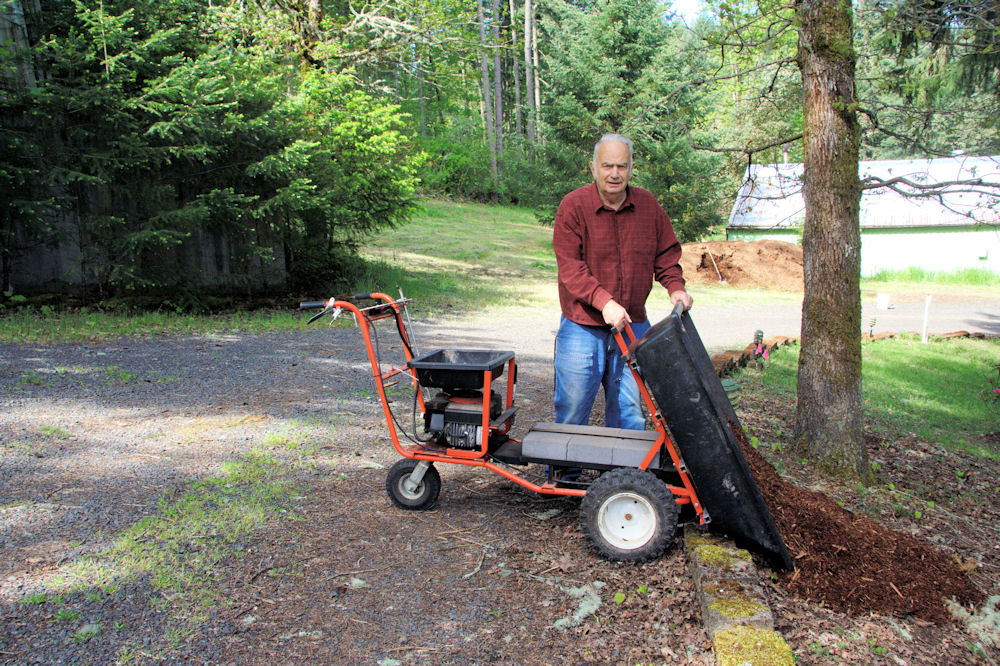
[927,309]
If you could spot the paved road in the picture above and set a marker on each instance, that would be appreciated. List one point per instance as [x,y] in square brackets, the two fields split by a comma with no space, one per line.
[726,326]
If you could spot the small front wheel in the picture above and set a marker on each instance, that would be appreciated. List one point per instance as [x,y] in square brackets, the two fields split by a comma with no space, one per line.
[629,515]
[404,493]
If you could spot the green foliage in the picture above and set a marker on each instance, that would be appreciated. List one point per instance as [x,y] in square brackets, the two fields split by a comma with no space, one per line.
[458,162]
[621,68]
[930,78]
[149,129]
[256,147]
[54,431]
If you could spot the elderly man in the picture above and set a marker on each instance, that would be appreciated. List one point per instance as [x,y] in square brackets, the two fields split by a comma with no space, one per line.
[611,239]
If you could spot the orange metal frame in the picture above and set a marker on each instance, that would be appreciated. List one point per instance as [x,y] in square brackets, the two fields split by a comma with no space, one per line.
[684,494]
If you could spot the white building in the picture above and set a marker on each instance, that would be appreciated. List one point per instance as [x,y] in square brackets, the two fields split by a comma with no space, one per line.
[959,229]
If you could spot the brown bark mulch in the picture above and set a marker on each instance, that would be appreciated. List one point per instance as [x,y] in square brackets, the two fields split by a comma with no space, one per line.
[851,562]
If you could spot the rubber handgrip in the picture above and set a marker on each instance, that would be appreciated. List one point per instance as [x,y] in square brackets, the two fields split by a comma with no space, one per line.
[361,297]
[310,305]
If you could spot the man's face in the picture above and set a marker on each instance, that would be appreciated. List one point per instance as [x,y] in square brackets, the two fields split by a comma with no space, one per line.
[611,170]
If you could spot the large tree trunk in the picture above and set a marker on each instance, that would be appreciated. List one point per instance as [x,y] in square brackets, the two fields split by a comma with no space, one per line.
[829,417]
[487,107]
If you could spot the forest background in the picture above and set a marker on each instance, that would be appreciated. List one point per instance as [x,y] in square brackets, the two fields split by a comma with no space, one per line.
[283,133]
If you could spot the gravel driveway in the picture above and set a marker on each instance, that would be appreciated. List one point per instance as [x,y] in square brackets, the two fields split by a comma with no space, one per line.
[96,437]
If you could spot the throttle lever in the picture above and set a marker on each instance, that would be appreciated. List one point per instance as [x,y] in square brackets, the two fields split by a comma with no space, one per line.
[336,313]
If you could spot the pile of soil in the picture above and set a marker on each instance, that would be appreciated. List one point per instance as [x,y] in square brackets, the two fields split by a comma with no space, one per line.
[766,264]
[852,563]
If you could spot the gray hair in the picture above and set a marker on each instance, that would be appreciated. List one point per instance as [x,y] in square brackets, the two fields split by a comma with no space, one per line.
[615,137]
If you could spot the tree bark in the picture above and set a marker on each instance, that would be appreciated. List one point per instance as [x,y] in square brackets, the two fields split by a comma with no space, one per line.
[537,108]
[15,32]
[487,106]
[418,67]
[829,416]
[518,124]
[312,32]
[529,71]
[497,85]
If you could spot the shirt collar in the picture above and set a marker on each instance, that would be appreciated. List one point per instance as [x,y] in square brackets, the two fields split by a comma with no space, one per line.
[597,205]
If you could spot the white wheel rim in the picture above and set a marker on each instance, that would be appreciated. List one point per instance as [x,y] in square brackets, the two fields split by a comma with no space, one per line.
[627,520]
[417,492]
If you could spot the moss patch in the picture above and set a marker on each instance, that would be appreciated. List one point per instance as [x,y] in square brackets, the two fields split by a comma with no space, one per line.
[726,588]
[736,607]
[720,556]
[749,645]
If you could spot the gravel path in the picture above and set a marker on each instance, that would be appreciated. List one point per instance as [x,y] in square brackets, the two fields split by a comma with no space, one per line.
[93,437]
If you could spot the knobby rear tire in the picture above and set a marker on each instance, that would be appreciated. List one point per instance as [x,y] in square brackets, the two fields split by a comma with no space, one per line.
[629,515]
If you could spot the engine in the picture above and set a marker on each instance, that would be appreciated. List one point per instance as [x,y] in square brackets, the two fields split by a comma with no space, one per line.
[457,418]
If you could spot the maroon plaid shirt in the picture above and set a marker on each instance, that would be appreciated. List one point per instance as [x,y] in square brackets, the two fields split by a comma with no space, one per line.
[606,255]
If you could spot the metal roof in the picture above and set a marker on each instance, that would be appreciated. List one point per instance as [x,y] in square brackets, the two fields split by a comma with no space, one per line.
[771,194]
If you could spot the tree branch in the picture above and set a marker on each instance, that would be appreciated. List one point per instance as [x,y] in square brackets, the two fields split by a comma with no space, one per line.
[749,151]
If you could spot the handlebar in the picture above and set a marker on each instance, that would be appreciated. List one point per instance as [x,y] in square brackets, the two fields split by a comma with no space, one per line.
[335,304]
[360,296]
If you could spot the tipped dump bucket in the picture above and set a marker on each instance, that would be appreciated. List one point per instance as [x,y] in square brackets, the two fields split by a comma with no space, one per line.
[683,383]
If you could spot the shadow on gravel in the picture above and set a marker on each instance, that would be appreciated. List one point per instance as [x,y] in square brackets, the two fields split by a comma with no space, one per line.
[89,626]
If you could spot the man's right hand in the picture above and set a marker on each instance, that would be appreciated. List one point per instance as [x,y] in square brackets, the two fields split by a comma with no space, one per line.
[615,315]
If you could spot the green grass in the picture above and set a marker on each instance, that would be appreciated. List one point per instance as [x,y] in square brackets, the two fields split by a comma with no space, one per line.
[115,374]
[963,277]
[934,390]
[455,256]
[31,326]
[54,431]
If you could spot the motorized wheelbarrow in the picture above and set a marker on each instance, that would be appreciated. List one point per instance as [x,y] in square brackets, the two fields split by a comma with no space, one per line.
[634,485]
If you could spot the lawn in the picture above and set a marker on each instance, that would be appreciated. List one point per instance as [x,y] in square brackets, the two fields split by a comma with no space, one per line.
[940,391]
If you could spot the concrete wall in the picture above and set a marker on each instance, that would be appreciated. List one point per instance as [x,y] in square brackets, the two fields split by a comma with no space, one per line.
[943,249]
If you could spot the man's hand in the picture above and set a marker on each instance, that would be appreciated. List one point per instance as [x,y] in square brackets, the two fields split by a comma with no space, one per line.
[615,315]
[681,296]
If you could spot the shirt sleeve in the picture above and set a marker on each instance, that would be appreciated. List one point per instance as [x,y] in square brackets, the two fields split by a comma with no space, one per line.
[574,274]
[666,265]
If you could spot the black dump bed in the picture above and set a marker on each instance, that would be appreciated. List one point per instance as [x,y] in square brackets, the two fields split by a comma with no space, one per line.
[683,383]
[456,369]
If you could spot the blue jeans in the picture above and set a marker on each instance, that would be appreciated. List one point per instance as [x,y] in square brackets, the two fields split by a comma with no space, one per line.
[583,362]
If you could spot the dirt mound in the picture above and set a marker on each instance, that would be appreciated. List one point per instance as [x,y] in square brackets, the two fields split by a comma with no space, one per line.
[852,563]
[763,264]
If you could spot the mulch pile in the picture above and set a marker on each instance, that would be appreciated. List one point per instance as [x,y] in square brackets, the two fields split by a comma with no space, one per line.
[852,563]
